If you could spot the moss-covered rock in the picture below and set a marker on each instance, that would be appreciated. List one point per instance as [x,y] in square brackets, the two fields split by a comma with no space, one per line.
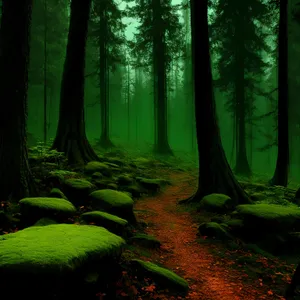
[165,278]
[77,190]
[48,255]
[135,190]
[96,166]
[216,203]
[145,240]
[33,209]
[235,226]
[113,202]
[269,217]
[110,222]
[57,193]
[124,180]
[97,176]
[214,230]
[152,185]
[45,222]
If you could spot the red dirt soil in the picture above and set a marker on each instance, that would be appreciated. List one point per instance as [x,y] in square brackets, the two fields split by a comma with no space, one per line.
[208,278]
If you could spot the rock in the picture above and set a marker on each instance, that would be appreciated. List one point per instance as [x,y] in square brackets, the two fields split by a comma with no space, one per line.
[110,222]
[49,255]
[115,160]
[78,190]
[96,166]
[113,202]
[166,279]
[33,209]
[152,185]
[57,193]
[235,227]
[135,190]
[218,203]
[124,180]
[45,222]
[112,186]
[214,230]
[268,218]
[145,240]
[97,176]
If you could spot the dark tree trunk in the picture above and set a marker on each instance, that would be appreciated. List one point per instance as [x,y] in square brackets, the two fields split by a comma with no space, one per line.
[70,136]
[105,141]
[161,145]
[215,175]
[280,176]
[242,165]
[45,70]
[15,176]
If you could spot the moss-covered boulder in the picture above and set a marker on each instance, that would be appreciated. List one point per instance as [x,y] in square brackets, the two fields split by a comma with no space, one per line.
[97,166]
[145,240]
[219,203]
[124,180]
[45,222]
[57,193]
[166,279]
[97,176]
[35,208]
[56,178]
[77,190]
[152,185]
[110,222]
[264,218]
[214,230]
[48,256]
[235,227]
[135,190]
[113,202]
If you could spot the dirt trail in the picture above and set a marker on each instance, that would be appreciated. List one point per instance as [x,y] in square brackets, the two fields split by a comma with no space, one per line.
[208,279]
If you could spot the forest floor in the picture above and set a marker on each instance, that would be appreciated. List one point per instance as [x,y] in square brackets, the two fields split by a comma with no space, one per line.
[212,270]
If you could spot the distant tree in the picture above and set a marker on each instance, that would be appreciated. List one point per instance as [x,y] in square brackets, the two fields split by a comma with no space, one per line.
[15,176]
[280,176]
[71,136]
[239,44]
[215,175]
[159,40]
[107,31]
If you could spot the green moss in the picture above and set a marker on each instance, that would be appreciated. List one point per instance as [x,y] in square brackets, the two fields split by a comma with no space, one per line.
[111,198]
[78,184]
[145,240]
[216,202]
[164,277]
[269,211]
[96,166]
[99,216]
[48,204]
[55,249]
[45,222]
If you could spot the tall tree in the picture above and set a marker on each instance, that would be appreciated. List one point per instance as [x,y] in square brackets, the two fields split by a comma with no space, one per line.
[106,29]
[280,176]
[239,44]
[15,176]
[159,40]
[215,175]
[71,136]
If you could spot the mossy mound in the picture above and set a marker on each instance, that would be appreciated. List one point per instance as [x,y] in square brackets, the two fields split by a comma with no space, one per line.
[216,203]
[269,217]
[96,166]
[145,240]
[55,249]
[214,230]
[113,202]
[77,190]
[45,222]
[57,193]
[111,222]
[152,185]
[53,259]
[165,278]
[33,209]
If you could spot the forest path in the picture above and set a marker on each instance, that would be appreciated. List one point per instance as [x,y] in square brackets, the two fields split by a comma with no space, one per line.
[209,278]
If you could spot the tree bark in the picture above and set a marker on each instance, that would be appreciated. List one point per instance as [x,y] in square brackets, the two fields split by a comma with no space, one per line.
[280,176]
[215,174]
[15,176]
[71,136]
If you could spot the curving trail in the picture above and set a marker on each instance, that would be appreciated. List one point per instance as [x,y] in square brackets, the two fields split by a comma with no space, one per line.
[208,279]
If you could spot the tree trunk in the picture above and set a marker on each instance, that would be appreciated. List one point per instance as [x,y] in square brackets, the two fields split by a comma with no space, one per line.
[105,141]
[45,70]
[161,145]
[70,136]
[215,175]
[15,176]
[280,176]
